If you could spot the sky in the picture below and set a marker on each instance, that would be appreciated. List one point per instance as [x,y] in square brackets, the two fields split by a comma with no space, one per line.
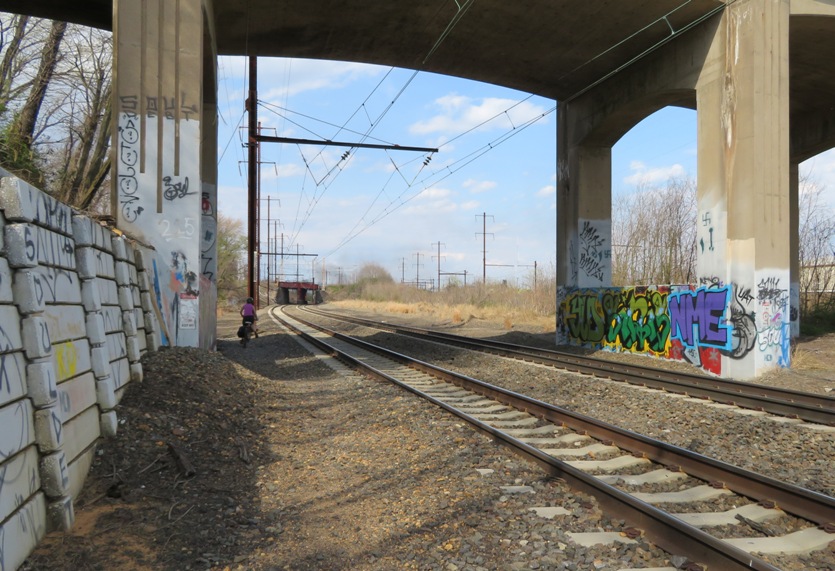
[490,186]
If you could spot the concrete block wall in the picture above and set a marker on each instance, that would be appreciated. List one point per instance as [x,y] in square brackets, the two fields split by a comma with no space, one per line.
[76,316]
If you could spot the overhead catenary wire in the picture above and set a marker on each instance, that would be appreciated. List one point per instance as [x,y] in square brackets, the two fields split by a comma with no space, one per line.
[443,173]
[462,9]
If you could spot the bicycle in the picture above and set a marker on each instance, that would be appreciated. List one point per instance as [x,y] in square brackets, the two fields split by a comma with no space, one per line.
[247,333]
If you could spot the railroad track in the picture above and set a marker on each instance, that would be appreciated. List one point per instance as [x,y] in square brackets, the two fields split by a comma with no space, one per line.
[614,465]
[809,407]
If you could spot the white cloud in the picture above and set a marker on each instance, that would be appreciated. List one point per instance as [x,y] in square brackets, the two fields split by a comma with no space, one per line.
[643,175]
[295,76]
[459,113]
[549,190]
[470,205]
[821,169]
[478,186]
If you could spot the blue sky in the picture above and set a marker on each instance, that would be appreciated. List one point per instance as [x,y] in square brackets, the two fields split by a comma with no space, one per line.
[497,155]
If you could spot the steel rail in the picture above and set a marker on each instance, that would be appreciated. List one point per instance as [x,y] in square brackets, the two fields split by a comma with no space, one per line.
[806,406]
[665,530]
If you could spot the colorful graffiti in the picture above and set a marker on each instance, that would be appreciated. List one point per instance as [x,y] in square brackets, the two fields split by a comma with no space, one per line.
[698,324]
[632,319]
[697,317]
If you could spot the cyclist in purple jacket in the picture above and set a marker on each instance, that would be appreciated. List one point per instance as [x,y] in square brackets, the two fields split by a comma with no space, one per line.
[249,315]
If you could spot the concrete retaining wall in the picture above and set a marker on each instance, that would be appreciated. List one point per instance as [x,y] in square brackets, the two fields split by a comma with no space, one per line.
[76,316]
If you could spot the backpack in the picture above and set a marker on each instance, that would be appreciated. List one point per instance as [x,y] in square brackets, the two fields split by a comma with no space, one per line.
[241,331]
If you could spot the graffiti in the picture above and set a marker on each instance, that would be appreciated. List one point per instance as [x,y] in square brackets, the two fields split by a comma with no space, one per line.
[744,327]
[706,222]
[174,190]
[583,315]
[743,294]
[572,261]
[11,376]
[769,290]
[170,107]
[39,207]
[593,252]
[640,322]
[207,246]
[206,205]
[181,275]
[66,358]
[169,232]
[710,281]
[633,319]
[128,158]
[774,333]
[43,246]
[697,317]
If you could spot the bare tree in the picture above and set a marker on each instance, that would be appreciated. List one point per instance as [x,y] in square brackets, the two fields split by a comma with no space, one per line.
[371,272]
[654,234]
[24,123]
[231,250]
[84,161]
[817,255]
[10,67]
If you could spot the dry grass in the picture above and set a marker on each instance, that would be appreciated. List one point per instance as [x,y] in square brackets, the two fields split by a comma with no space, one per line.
[508,318]
[805,360]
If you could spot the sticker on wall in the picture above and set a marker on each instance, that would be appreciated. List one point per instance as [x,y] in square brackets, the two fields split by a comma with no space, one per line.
[189,307]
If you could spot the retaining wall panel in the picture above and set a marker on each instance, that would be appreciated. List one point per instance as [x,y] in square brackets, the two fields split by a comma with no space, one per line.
[76,395]
[81,432]
[19,479]
[6,295]
[71,358]
[10,334]
[57,286]
[20,534]
[120,370]
[65,322]
[23,202]
[116,345]
[12,377]
[18,422]
[112,315]
[78,470]
[30,245]
[108,292]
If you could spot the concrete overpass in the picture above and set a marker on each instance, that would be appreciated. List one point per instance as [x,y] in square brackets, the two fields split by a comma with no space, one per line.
[758,72]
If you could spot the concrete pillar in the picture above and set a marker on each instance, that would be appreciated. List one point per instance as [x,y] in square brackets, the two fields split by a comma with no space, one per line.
[159,151]
[584,210]
[743,195]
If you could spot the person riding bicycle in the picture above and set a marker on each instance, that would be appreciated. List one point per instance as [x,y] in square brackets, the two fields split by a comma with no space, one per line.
[249,315]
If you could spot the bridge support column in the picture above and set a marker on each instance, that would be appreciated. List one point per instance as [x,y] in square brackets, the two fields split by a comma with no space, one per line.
[164,179]
[584,212]
[744,189]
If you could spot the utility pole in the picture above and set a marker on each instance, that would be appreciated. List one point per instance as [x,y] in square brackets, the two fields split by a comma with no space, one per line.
[439,244]
[483,233]
[417,271]
[402,270]
[252,175]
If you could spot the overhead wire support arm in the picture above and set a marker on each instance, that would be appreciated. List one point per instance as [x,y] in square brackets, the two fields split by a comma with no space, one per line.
[272,139]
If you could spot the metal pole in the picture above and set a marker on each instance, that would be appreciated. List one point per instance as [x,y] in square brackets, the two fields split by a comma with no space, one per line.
[268,250]
[258,221]
[252,174]
[484,249]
